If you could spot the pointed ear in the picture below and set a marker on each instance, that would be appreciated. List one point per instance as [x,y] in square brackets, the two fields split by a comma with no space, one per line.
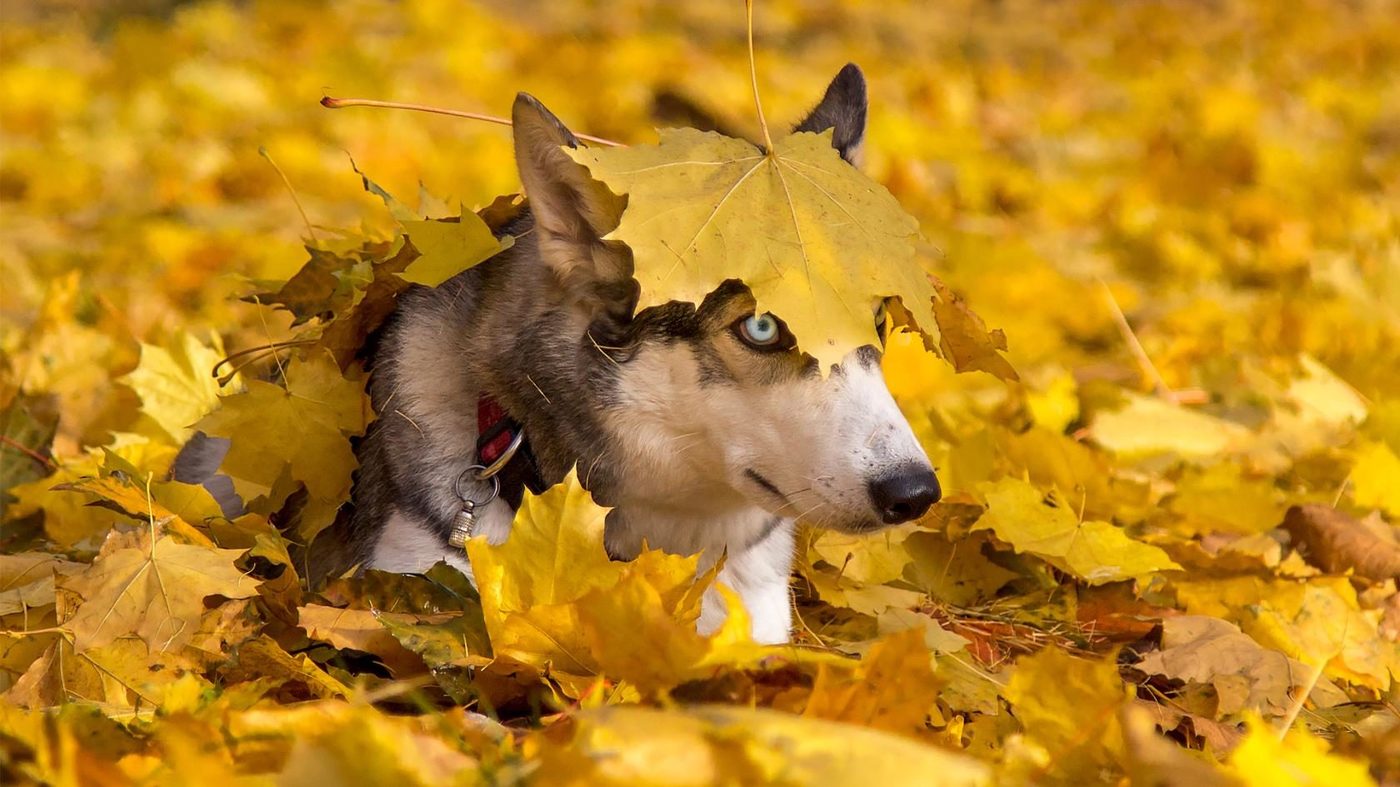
[572,211]
[842,109]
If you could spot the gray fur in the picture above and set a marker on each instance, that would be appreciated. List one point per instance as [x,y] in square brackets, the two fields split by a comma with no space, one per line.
[198,463]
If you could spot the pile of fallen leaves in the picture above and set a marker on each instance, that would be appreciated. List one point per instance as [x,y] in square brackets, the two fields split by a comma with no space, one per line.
[1169,546]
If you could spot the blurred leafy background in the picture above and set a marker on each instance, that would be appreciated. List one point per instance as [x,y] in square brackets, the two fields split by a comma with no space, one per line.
[1185,216]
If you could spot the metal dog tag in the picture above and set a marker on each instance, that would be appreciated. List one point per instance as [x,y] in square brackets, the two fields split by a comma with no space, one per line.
[463,525]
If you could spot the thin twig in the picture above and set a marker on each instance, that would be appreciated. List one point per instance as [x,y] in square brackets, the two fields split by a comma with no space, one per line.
[310,230]
[1297,704]
[259,349]
[330,102]
[1145,365]
[753,79]
[27,451]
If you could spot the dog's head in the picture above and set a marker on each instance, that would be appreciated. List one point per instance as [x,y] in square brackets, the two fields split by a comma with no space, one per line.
[715,404]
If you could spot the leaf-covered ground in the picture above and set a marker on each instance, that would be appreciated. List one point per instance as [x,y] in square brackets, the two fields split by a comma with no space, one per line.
[1168,553]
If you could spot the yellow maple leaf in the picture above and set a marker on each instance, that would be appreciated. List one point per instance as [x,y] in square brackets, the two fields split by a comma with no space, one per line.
[264,659]
[964,339]
[892,689]
[715,744]
[176,385]
[872,559]
[550,595]
[1096,552]
[1262,760]
[554,553]
[69,519]
[363,630]
[170,504]
[154,589]
[27,579]
[113,677]
[635,637]
[1316,622]
[553,557]
[1209,650]
[446,248]
[819,243]
[1069,706]
[302,430]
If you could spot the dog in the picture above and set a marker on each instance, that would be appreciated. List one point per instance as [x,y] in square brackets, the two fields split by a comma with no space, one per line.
[702,426]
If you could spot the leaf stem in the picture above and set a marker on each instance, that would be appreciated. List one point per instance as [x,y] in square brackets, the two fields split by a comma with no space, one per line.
[753,80]
[1296,705]
[272,346]
[1145,365]
[16,445]
[330,102]
[262,151]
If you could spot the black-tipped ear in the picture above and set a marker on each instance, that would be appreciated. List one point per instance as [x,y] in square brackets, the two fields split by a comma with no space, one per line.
[564,198]
[572,210]
[842,109]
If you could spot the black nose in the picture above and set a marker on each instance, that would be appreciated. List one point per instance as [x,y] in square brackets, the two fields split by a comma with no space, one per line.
[905,493]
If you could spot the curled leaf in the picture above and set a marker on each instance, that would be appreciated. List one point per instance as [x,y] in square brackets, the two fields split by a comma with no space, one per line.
[1337,543]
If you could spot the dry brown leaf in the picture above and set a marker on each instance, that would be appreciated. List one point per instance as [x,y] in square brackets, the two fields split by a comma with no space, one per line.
[155,590]
[1337,543]
[1245,674]
[362,629]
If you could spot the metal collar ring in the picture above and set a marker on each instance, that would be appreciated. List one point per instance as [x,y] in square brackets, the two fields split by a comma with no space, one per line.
[478,473]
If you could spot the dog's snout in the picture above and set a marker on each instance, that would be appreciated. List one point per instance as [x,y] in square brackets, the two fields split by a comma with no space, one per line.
[905,494]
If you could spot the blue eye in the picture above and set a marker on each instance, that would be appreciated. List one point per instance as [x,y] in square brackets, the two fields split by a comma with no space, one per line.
[761,330]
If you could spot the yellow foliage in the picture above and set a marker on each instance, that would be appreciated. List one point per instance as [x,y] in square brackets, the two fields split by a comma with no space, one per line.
[152,587]
[1070,708]
[448,248]
[321,408]
[1376,478]
[1179,275]
[1262,760]
[1096,552]
[719,745]
[177,385]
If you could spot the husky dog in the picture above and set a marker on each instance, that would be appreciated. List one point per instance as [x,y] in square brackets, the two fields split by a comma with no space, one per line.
[704,427]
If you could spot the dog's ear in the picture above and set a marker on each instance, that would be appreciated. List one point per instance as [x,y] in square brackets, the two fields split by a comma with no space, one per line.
[572,210]
[842,109]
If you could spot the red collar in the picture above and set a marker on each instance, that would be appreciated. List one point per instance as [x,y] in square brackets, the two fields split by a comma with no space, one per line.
[496,430]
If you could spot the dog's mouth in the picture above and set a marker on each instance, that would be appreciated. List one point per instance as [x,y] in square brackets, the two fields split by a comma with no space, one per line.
[818,513]
[768,487]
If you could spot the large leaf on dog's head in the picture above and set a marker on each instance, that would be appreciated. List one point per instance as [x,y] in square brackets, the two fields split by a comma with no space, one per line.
[819,243]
